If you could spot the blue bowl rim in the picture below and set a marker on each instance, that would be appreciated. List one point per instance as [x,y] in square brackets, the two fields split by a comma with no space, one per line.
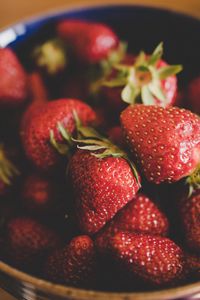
[77,293]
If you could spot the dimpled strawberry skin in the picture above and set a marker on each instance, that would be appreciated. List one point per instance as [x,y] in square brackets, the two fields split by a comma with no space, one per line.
[13,79]
[165,142]
[154,259]
[190,216]
[36,134]
[140,215]
[101,188]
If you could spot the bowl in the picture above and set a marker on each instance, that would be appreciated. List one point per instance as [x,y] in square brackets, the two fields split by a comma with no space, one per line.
[143,27]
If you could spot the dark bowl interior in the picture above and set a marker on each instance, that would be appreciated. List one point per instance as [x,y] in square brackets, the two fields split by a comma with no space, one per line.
[143,28]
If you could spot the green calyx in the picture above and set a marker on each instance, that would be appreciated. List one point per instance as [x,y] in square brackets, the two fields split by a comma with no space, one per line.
[142,80]
[89,139]
[7,169]
[193,181]
[51,56]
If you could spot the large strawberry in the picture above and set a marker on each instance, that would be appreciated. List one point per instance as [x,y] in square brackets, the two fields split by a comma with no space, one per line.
[140,215]
[74,264]
[13,80]
[193,95]
[154,259]
[43,122]
[190,217]
[164,141]
[29,241]
[142,79]
[103,180]
[91,42]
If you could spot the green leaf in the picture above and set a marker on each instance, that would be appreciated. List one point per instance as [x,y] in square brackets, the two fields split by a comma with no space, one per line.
[157,91]
[117,82]
[63,131]
[146,95]
[167,71]
[129,94]
[91,147]
[62,149]
[141,59]
[156,55]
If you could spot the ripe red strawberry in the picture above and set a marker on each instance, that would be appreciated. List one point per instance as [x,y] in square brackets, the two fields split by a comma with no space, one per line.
[193,95]
[44,120]
[115,134]
[38,91]
[29,241]
[154,259]
[13,79]
[145,78]
[90,42]
[190,216]
[39,195]
[140,215]
[165,142]
[102,186]
[74,264]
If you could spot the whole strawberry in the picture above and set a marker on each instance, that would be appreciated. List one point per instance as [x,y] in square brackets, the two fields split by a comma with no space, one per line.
[74,264]
[143,79]
[140,215]
[164,141]
[41,135]
[193,95]
[154,259]
[190,217]
[13,80]
[40,195]
[29,242]
[90,42]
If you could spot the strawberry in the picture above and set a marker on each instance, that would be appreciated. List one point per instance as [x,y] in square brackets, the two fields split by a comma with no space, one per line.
[29,241]
[193,95]
[154,259]
[90,42]
[190,216]
[164,141]
[39,195]
[74,264]
[37,88]
[7,171]
[146,78]
[13,80]
[103,179]
[140,215]
[43,122]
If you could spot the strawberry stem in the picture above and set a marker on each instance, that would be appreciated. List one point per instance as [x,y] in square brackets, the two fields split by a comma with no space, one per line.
[7,169]
[193,181]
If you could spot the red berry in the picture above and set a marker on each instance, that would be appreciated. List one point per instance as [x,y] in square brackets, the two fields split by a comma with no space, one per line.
[154,259]
[74,264]
[91,42]
[29,241]
[101,187]
[165,142]
[13,79]
[35,133]
[38,91]
[190,216]
[140,215]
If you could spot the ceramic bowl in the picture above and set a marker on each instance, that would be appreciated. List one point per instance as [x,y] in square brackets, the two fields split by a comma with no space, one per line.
[143,27]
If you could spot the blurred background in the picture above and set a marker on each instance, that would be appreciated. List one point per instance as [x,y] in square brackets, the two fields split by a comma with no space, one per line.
[14,10]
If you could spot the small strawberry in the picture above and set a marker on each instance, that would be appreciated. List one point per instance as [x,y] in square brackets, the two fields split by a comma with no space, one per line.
[190,217]
[13,80]
[103,179]
[29,241]
[7,171]
[39,195]
[74,264]
[154,259]
[44,122]
[193,95]
[90,42]
[146,79]
[164,141]
[140,215]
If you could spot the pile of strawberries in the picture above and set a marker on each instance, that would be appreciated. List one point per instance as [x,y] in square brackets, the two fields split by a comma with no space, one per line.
[99,164]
